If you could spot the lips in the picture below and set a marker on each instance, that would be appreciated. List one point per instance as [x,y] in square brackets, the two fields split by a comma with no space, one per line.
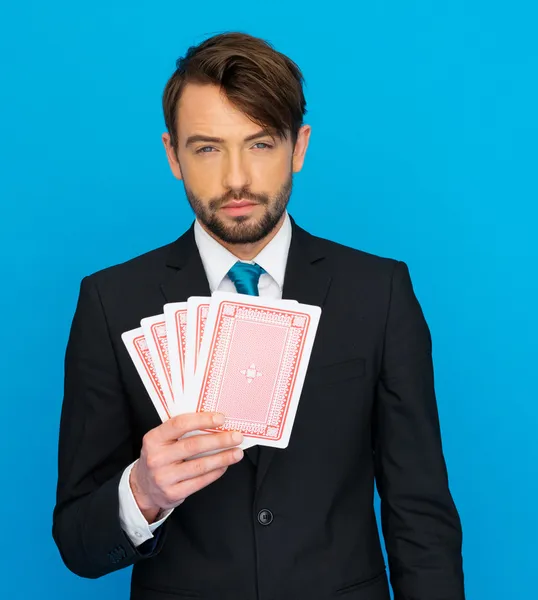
[239,204]
[239,208]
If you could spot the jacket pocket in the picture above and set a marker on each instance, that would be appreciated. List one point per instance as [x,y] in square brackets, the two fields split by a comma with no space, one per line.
[361,584]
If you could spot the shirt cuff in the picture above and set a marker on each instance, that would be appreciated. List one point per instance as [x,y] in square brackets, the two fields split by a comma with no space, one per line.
[133,522]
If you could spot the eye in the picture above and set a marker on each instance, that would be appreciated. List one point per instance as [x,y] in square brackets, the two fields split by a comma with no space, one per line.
[264,144]
[204,150]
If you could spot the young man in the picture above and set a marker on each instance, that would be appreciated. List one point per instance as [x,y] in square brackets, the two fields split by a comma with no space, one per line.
[273,524]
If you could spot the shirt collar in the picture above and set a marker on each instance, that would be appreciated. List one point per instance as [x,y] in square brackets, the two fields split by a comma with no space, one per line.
[217,260]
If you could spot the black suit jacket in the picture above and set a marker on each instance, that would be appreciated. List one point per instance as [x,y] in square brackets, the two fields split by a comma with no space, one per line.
[367,410]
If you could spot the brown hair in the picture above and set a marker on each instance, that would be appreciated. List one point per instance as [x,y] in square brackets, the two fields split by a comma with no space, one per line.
[264,84]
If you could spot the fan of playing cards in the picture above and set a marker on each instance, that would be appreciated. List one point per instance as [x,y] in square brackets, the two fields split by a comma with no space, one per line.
[243,356]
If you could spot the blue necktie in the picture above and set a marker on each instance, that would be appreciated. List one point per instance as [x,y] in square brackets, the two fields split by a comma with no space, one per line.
[245,277]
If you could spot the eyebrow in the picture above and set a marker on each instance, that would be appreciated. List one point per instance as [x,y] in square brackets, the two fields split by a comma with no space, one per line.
[193,139]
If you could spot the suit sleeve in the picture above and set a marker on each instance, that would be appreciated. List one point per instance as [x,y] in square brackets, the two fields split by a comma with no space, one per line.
[95,447]
[420,522]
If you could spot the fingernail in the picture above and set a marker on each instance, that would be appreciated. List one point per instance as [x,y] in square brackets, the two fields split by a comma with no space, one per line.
[238,454]
[219,419]
[237,437]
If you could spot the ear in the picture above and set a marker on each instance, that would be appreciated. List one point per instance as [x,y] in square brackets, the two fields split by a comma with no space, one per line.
[172,156]
[303,137]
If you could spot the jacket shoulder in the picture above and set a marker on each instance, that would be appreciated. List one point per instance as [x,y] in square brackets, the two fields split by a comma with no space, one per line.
[349,257]
[148,266]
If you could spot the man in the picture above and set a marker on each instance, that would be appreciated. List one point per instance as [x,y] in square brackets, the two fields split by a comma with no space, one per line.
[273,524]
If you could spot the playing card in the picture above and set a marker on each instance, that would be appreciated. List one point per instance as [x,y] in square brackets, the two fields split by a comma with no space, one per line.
[175,316]
[136,345]
[197,309]
[154,329]
[252,364]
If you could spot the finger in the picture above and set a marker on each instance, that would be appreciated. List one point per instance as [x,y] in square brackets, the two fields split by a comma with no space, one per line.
[175,473]
[186,488]
[179,425]
[197,444]
[172,474]
[201,466]
[185,448]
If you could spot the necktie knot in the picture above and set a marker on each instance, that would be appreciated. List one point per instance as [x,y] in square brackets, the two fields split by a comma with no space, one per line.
[246,277]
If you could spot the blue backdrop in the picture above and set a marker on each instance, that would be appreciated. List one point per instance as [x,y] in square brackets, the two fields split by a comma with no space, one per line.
[423,149]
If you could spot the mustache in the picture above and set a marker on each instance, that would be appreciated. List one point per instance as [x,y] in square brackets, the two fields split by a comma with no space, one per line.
[217,203]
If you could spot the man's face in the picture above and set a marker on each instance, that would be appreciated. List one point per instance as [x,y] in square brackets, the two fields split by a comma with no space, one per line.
[237,178]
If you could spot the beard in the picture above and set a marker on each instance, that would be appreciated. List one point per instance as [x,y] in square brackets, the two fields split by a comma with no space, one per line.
[242,231]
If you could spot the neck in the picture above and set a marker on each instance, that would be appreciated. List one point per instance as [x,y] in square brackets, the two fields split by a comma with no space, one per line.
[248,251]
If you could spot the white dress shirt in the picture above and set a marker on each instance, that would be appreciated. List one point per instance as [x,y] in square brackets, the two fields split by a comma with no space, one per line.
[217,261]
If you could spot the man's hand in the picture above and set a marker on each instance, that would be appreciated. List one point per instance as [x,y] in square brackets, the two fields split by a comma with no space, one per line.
[162,477]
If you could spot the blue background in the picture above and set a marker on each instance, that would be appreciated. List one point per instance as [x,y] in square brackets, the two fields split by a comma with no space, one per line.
[423,149]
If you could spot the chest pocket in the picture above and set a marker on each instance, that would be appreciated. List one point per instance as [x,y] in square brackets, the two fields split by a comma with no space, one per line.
[335,372]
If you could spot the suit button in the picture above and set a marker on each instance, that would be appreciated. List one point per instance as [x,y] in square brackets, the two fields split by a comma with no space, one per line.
[265,517]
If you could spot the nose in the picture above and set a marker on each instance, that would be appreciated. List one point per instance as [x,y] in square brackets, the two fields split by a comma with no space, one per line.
[236,174]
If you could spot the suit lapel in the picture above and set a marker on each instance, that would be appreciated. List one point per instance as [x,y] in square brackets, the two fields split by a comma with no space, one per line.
[307,280]
[187,275]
